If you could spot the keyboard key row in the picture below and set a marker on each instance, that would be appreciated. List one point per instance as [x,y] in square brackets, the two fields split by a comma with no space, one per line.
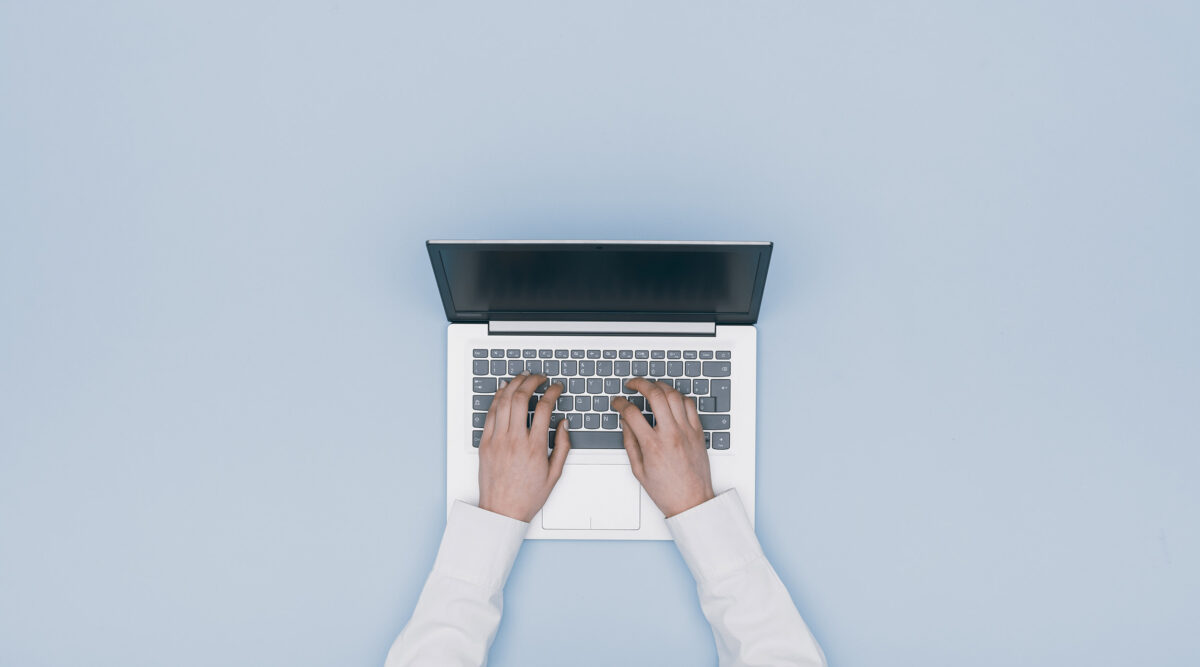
[607,439]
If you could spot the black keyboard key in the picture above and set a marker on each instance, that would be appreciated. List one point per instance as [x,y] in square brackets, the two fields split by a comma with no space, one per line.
[720,440]
[691,368]
[714,422]
[640,368]
[565,403]
[498,367]
[484,385]
[583,403]
[593,354]
[625,354]
[534,366]
[497,353]
[595,385]
[481,402]
[707,404]
[479,353]
[478,419]
[591,420]
[604,368]
[716,369]
[612,385]
[600,404]
[560,354]
[707,440]
[574,421]
[578,385]
[649,416]
[658,368]
[545,354]
[720,391]
[597,439]
[658,354]
[533,401]
[706,354]
[689,354]
[514,354]
[673,354]
[700,387]
[541,388]
[480,367]
[529,354]
[570,367]
[609,420]
[576,354]
[587,367]
[723,354]
[550,367]
[675,368]
[641,354]
[476,438]
[515,366]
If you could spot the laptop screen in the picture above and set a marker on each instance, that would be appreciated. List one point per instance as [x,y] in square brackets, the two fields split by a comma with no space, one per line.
[603,280]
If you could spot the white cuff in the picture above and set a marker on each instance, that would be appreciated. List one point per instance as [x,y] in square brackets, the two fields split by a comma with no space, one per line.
[479,546]
[715,537]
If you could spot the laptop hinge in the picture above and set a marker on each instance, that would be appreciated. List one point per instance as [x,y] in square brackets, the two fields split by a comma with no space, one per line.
[570,328]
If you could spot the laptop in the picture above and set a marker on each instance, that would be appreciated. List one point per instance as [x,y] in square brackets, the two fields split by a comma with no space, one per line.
[591,315]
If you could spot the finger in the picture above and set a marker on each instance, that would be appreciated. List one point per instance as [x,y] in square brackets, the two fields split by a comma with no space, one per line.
[518,409]
[634,449]
[541,414]
[497,416]
[656,396]
[693,415]
[675,400]
[632,419]
[558,458]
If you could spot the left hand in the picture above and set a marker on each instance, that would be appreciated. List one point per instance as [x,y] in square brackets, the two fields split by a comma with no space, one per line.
[515,474]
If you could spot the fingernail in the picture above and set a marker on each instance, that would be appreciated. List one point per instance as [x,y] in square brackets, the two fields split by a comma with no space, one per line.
[524,372]
[503,383]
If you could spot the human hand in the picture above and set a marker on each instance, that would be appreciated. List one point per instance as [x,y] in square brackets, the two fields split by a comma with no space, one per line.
[515,475]
[669,459]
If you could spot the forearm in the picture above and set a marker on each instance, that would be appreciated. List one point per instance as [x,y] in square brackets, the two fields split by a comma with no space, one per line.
[753,619]
[456,617]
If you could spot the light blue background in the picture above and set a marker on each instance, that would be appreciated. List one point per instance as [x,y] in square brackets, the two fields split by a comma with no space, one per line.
[221,347]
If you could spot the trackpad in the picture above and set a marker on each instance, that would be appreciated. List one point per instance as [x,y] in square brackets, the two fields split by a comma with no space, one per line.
[596,497]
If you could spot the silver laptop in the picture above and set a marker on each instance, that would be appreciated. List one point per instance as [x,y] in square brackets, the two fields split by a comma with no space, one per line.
[590,315]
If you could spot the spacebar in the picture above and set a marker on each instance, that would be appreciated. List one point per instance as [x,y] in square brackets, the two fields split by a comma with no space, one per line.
[594,440]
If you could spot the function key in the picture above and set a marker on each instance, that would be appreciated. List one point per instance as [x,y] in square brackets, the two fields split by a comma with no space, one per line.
[610,354]
[723,354]
[529,354]
[576,354]
[545,354]
[479,353]
[626,354]
[514,354]
[706,354]
[560,354]
[689,354]
[658,354]
[642,354]
[673,354]
[497,353]
[593,354]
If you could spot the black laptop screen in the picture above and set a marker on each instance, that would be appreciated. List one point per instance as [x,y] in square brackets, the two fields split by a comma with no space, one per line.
[600,281]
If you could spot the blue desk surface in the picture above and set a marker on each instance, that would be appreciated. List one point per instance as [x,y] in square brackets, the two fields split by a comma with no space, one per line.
[221,347]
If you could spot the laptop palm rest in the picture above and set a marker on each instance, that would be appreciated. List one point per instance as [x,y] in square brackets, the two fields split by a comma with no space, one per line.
[594,497]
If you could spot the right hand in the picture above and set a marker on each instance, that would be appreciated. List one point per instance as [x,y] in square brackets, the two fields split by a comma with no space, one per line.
[669,459]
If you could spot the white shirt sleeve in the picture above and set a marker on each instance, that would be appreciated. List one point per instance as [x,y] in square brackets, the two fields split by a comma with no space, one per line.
[753,619]
[456,617]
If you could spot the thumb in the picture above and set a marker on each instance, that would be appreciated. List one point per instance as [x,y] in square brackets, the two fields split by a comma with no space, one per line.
[562,445]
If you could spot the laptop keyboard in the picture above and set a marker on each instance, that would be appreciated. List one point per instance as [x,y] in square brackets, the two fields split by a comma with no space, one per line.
[591,378]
